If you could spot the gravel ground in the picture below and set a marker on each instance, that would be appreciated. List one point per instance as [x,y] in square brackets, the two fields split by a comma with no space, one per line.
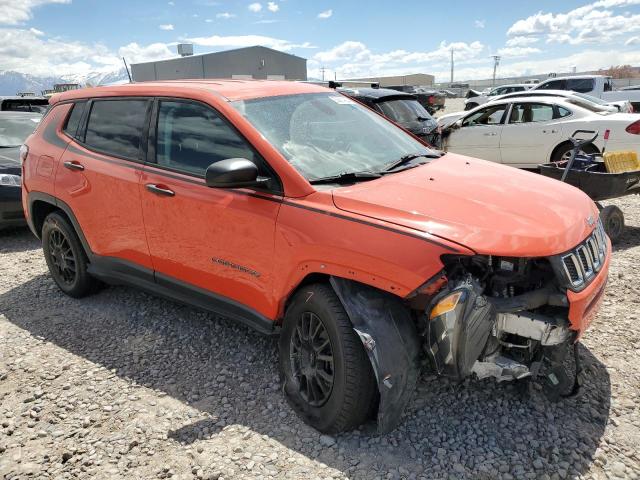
[126,385]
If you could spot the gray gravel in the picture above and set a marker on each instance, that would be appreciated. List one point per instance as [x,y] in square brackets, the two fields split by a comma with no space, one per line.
[126,385]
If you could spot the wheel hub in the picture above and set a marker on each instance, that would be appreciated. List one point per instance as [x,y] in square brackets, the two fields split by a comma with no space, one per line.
[62,257]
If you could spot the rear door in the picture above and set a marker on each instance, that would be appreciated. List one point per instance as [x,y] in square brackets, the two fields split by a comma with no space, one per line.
[530,132]
[479,135]
[99,175]
[212,240]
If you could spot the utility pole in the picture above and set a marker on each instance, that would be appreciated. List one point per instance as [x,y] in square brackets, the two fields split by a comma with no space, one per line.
[323,70]
[451,65]
[496,62]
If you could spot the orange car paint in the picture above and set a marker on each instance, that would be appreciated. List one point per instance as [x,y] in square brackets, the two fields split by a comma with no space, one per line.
[388,233]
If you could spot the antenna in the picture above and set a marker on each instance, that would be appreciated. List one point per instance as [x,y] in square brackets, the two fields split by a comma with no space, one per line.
[127,69]
[496,62]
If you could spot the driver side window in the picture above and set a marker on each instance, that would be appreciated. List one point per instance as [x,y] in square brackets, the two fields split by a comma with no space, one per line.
[487,116]
[190,137]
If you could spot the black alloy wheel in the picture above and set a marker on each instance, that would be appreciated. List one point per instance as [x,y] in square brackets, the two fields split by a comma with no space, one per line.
[62,257]
[312,359]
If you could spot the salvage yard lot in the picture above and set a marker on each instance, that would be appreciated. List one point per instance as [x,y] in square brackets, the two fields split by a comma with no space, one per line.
[126,385]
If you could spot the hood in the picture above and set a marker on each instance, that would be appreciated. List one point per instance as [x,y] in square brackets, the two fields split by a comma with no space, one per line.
[487,207]
[10,160]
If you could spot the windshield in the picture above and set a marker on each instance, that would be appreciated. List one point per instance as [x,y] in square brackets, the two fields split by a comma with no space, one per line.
[404,111]
[327,134]
[14,131]
[588,105]
[590,98]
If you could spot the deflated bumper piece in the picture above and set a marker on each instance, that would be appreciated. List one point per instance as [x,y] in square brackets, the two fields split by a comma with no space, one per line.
[391,341]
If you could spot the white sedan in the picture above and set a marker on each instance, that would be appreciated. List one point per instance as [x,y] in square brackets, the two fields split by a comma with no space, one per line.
[525,132]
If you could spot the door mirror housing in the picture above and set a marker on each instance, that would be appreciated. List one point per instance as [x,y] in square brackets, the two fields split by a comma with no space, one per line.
[458,123]
[233,173]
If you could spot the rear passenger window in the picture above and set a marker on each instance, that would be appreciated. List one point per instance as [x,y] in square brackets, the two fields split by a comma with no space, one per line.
[581,85]
[115,127]
[190,137]
[73,120]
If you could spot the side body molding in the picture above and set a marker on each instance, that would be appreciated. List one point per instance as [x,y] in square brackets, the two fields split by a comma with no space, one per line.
[389,336]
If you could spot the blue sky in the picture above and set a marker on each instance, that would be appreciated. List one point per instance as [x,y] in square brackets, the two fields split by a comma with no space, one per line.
[347,37]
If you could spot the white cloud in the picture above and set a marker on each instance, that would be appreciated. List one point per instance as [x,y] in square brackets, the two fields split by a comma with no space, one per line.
[255,7]
[354,59]
[273,6]
[326,14]
[24,51]
[225,15]
[238,41]
[518,51]
[479,23]
[15,12]
[596,22]
[166,26]
[209,20]
[632,41]
[37,32]
[171,3]
[521,41]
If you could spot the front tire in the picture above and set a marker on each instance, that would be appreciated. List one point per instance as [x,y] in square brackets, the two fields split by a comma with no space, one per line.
[66,259]
[327,376]
[613,222]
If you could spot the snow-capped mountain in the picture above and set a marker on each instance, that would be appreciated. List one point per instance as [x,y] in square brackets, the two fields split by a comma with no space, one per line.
[14,82]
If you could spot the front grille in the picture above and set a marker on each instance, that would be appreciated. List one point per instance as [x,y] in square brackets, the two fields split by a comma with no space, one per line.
[582,263]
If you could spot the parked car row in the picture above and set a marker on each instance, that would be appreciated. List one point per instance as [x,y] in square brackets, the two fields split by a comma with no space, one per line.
[15,127]
[304,213]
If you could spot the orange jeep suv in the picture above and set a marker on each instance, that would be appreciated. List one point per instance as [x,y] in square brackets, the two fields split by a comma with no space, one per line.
[302,213]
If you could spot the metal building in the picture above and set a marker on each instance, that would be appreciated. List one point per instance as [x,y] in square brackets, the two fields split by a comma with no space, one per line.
[250,62]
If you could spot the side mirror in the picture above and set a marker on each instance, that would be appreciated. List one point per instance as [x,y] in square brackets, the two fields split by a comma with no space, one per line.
[457,123]
[233,173]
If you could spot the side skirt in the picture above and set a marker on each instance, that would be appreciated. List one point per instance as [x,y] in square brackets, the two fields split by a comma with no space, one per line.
[119,272]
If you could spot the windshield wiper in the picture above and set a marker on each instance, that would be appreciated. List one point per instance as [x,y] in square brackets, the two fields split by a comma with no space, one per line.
[406,159]
[346,177]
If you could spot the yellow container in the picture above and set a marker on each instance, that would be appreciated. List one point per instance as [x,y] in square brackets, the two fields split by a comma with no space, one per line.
[622,161]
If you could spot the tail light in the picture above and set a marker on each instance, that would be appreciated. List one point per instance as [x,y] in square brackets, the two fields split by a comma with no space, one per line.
[634,128]
[24,151]
[431,99]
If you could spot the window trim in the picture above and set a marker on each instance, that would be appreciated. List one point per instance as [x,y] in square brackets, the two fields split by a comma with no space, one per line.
[82,132]
[151,157]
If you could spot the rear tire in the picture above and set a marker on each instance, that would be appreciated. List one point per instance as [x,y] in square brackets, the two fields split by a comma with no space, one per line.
[66,259]
[613,222]
[345,401]
[565,149]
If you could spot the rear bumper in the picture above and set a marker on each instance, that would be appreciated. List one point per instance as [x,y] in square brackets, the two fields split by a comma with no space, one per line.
[11,213]
[584,305]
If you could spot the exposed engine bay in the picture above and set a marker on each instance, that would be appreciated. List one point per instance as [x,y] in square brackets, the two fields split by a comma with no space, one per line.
[504,318]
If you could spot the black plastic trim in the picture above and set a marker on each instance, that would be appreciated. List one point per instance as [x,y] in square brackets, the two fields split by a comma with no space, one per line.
[118,271]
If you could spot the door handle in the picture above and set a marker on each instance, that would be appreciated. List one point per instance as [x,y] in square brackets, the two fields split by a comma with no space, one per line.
[73,165]
[549,131]
[159,190]
[492,134]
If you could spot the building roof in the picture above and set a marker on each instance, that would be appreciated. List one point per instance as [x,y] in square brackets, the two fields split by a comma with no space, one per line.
[228,89]
[234,50]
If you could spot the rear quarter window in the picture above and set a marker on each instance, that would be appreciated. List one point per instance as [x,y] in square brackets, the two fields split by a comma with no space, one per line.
[115,127]
[73,120]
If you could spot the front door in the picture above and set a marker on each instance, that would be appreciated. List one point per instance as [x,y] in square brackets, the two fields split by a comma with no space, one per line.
[217,240]
[479,134]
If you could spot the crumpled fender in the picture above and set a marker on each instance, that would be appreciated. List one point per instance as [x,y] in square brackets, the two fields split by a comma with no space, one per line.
[390,338]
